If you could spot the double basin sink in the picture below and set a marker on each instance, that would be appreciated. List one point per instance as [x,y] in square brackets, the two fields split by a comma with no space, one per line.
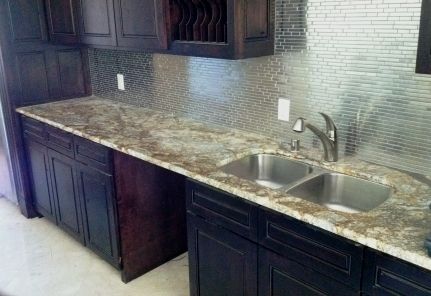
[332,190]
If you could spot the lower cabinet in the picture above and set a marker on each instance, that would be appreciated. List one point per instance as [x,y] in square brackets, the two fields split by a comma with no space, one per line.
[239,248]
[97,198]
[38,169]
[387,276]
[279,276]
[65,193]
[220,262]
[74,192]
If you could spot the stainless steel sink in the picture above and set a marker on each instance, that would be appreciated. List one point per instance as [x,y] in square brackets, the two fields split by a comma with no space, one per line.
[268,170]
[342,193]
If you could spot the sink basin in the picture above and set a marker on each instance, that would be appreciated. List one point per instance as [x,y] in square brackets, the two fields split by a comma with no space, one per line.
[342,193]
[268,170]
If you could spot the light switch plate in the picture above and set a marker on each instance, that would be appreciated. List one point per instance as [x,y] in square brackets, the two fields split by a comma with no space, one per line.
[283,109]
[120,80]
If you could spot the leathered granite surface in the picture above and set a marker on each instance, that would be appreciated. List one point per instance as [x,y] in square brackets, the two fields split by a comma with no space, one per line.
[398,227]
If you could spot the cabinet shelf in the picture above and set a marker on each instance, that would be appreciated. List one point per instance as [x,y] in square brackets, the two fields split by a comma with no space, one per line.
[199,20]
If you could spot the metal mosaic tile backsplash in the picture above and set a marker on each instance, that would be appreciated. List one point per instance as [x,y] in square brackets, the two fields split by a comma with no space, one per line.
[352,59]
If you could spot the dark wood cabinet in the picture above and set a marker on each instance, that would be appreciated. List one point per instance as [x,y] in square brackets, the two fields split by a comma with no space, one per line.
[99,196]
[423,62]
[151,214]
[222,28]
[38,164]
[62,21]
[293,258]
[208,28]
[279,276]
[65,192]
[141,24]
[337,258]
[100,221]
[97,22]
[387,276]
[220,262]
[123,23]
[223,209]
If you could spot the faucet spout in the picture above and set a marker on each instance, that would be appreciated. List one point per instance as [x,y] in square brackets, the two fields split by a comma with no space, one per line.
[328,139]
[329,146]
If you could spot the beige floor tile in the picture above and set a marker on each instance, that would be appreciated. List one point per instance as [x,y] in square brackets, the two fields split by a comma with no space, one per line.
[40,259]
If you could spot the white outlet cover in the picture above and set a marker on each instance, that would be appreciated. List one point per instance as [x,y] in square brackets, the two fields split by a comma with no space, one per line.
[283,109]
[120,80]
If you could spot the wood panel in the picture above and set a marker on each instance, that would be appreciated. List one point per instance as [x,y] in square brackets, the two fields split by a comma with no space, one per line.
[220,262]
[279,276]
[61,15]
[385,275]
[423,63]
[316,249]
[141,24]
[32,69]
[257,19]
[222,209]
[71,72]
[26,20]
[97,23]
[151,213]
[37,157]
[65,191]
[100,220]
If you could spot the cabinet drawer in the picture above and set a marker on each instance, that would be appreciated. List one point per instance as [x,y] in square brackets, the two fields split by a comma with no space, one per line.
[34,129]
[222,209]
[317,249]
[386,275]
[59,140]
[281,276]
[93,154]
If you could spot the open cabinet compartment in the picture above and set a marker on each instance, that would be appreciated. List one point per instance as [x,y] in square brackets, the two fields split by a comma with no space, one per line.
[199,20]
[230,29]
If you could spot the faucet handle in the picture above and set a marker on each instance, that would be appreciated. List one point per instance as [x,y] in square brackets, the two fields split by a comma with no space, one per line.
[299,125]
[331,128]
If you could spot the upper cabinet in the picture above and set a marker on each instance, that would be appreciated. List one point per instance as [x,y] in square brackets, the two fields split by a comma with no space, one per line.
[97,22]
[141,24]
[208,28]
[423,64]
[222,28]
[61,15]
[138,24]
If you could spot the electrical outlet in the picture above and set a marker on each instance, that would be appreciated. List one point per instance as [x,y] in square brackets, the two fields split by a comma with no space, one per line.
[283,109]
[120,81]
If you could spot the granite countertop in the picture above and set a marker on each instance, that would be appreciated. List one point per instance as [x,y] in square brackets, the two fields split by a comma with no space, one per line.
[398,227]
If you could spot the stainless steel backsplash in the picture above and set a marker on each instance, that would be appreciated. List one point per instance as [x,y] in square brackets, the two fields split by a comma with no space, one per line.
[352,59]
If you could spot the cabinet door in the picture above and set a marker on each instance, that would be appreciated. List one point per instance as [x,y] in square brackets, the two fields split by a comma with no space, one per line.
[97,23]
[279,276]
[386,276]
[141,24]
[96,192]
[63,179]
[61,15]
[423,62]
[221,263]
[38,165]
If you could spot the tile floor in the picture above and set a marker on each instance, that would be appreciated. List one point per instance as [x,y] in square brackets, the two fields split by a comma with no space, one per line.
[39,259]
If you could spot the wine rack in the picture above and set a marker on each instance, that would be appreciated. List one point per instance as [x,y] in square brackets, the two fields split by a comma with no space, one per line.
[199,20]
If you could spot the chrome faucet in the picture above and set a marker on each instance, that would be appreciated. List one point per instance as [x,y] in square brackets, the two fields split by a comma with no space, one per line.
[329,139]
